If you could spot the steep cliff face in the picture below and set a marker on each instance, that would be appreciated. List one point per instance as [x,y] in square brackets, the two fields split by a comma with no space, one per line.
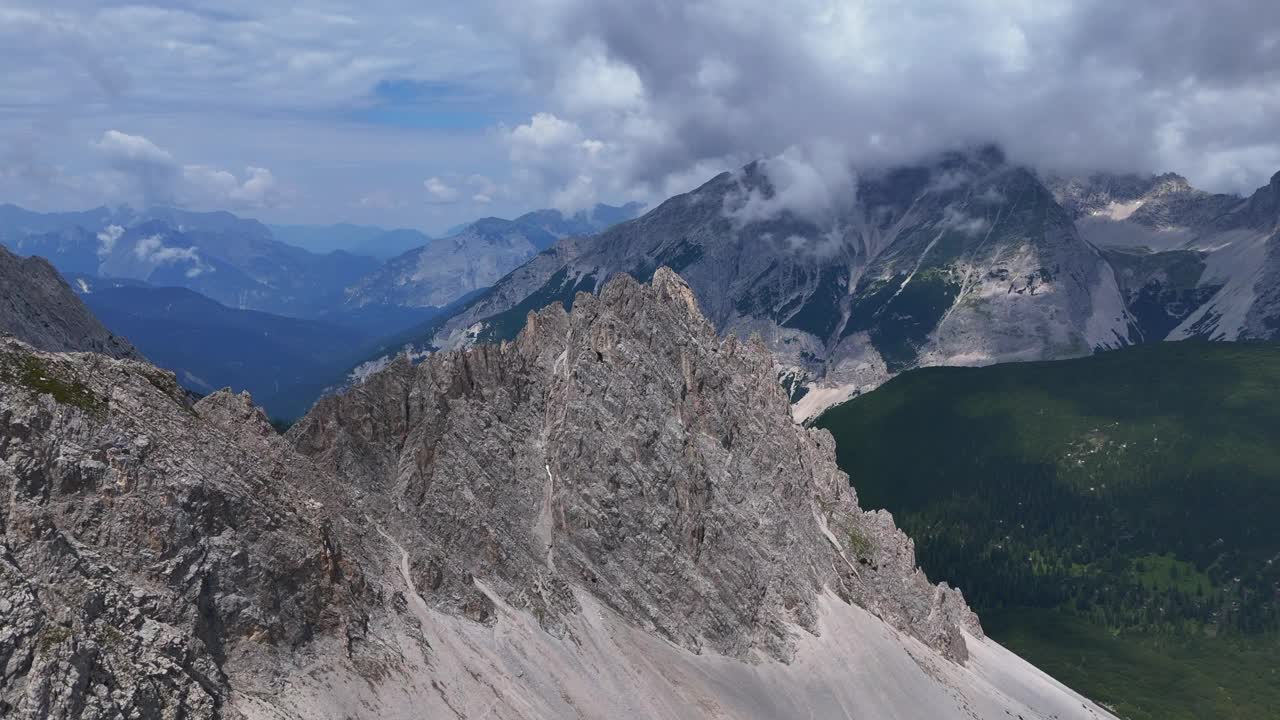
[611,516]
[38,307]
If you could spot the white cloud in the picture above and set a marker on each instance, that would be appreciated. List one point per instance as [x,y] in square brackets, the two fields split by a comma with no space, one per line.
[153,251]
[544,132]
[1131,86]
[551,153]
[213,187]
[122,147]
[620,99]
[287,87]
[440,191]
[600,84]
[956,219]
[816,182]
[483,189]
[379,200]
[107,239]
[141,171]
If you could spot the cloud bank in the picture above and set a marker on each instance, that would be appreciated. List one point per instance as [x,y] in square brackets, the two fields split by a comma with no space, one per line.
[149,175]
[568,102]
[641,92]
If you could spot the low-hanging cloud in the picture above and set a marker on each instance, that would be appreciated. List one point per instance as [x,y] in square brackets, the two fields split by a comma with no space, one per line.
[144,172]
[663,87]
[153,251]
[816,182]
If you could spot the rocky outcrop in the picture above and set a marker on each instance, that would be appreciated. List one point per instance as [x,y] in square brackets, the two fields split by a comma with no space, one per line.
[611,516]
[154,554]
[38,307]
[627,450]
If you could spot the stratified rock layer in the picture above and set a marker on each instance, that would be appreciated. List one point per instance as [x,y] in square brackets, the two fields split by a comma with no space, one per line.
[626,449]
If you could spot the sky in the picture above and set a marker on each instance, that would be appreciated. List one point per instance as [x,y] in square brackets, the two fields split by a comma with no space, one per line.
[426,114]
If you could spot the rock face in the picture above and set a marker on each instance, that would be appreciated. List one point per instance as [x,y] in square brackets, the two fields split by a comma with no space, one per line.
[37,306]
[966,259]
[152,550]
[611,516]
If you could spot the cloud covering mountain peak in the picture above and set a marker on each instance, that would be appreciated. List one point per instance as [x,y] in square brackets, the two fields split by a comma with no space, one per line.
[566,103]
[712,83]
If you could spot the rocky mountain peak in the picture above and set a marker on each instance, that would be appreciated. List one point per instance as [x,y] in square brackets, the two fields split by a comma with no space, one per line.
[1263,207]
[643,460]
[1170,183]
[610,516]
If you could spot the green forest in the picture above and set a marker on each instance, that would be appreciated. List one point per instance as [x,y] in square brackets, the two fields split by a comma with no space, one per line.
[1116,518]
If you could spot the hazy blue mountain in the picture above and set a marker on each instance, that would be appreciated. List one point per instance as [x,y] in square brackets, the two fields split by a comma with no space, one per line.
[583,222]
[284,362]
[374,242]
[233,260]
[16,222]
[445,269]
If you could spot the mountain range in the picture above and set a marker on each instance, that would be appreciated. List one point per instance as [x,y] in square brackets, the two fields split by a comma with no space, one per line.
[229,259]
[965,259]
[1190,264]
[614,515]
[624,466]
[223,302]
[284,362]
[375,242]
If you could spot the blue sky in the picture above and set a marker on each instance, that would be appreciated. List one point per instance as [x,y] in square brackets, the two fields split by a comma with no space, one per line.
[428,114]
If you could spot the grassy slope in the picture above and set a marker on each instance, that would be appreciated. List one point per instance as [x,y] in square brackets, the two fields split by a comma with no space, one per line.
[1114,516]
